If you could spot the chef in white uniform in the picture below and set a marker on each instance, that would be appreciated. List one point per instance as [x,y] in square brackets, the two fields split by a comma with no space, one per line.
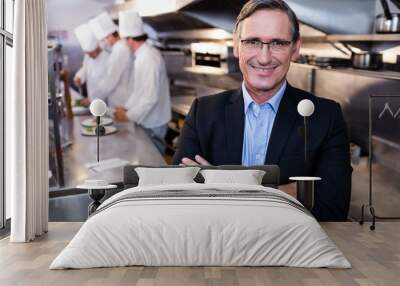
[116,83]
[149,103]
[94,64]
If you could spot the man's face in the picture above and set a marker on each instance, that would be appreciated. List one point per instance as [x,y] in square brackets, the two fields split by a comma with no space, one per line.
[93,54]
[265,68]
[130,43]
[109,40]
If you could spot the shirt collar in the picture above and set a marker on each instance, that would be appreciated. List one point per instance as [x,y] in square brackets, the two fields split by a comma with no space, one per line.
[274,101]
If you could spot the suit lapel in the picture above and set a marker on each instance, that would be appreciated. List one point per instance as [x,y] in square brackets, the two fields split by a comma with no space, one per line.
[234,126]
[283,125]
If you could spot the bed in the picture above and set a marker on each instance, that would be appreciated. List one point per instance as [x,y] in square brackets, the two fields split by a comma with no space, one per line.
[201,224]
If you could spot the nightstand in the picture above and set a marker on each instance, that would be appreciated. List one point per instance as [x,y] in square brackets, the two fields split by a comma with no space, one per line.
[305,190]
[96,193]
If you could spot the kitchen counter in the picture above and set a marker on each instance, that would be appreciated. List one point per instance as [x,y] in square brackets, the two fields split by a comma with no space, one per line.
[182,97]
[130,143]
[182,104]
[386,74]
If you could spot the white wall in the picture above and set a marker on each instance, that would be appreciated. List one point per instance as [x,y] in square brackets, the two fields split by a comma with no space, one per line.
[66,15]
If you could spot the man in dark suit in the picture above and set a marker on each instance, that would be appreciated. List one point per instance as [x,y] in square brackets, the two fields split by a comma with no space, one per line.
[259,123]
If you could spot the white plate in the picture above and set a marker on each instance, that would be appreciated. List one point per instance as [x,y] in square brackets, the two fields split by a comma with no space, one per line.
[91,131]
[305,178]
[80,110]
[91,122]
[90,187]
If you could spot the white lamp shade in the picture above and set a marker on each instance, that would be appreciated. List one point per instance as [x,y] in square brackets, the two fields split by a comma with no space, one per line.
[86,38]
[130,24]
[98,107]
[305,108]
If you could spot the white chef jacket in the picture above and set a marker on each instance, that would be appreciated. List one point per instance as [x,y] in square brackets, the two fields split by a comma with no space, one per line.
[115,85]
[149,104]
[91,72]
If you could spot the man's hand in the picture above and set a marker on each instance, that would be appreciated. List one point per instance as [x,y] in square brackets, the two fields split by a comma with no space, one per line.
[198,161]
[85,102]
[120,114]
[289,189]
[77,81]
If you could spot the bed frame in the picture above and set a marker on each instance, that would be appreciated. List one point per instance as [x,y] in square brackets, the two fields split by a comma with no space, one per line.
[270,179]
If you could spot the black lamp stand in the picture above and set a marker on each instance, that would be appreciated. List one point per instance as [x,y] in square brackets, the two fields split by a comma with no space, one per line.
[305,143]
[305,189]
[100,131]
[305,193]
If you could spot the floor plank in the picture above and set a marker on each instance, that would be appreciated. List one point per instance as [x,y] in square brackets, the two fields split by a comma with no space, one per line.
[375,256]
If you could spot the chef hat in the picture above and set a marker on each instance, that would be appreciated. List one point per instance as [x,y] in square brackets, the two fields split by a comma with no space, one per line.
[86,38]
[102,26]
[130,24]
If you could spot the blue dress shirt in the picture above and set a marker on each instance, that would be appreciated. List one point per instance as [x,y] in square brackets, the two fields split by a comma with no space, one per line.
[259,120]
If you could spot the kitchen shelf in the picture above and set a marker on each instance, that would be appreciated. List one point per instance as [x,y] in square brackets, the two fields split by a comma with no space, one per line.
[352,38]
[212,34]
[205,70]
[364,38]
[313,39]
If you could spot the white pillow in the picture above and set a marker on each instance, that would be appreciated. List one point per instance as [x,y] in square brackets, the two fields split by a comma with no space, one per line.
[166,176]
[248,177]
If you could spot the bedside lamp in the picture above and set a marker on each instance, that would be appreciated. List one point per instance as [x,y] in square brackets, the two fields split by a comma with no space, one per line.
[305,108]
[98,108]
[97,188]
[305,185]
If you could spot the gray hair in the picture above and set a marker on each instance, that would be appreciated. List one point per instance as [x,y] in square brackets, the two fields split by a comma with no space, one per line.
[254,5]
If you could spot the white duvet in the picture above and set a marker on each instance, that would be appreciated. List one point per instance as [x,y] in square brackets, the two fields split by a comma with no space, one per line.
[200,231]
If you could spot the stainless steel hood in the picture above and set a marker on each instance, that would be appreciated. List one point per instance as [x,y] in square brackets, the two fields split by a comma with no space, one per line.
[148,7]
[336,17]
[162,16]
[328,16]
[220,14]
[175,22]
[172,15]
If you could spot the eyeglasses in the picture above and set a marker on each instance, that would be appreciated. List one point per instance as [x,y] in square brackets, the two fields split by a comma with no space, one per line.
[255,45]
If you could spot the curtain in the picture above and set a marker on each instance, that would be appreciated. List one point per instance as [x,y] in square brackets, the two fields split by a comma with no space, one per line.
[27,124]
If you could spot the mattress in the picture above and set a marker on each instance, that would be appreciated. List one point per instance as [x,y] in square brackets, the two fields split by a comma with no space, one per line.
[201,225]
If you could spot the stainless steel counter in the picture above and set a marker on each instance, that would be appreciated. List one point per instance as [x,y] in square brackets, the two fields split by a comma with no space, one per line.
[182,97]
[181,104]
[129,143]
[385,74]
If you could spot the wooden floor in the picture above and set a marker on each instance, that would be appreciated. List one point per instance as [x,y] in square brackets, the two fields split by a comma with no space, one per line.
[375,256]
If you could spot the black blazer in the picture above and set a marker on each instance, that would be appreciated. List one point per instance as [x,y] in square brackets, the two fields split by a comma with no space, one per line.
[214,129]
